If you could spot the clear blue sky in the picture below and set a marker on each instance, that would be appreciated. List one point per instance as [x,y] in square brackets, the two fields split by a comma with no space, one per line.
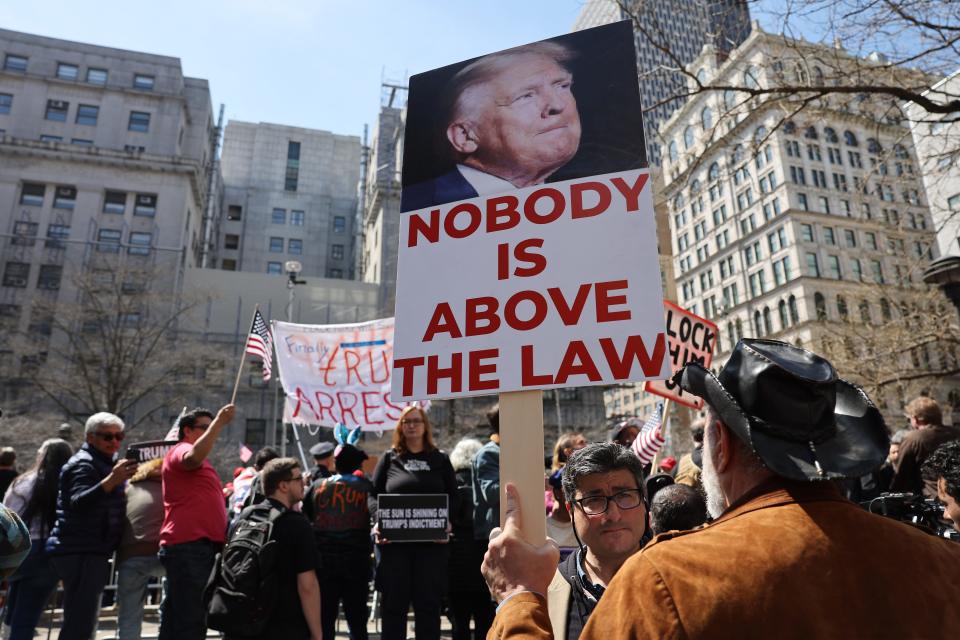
[310,63]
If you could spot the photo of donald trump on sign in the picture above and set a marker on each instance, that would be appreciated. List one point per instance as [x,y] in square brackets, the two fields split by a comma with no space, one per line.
[512,119]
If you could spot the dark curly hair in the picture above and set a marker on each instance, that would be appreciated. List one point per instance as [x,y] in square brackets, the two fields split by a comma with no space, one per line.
[945,463]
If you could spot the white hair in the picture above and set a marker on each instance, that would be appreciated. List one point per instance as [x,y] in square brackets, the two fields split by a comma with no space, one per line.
[463,454]
[101,419]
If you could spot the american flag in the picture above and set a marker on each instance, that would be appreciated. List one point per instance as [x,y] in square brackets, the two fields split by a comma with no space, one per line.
[260,343]
[650,439]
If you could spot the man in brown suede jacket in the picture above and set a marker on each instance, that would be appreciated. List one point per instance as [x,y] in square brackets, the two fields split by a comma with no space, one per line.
[787,556]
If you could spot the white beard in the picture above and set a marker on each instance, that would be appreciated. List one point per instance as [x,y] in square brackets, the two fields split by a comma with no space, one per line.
[716,502]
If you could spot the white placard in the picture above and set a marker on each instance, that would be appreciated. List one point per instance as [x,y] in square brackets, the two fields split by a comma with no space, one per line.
[554,285]
[337,373]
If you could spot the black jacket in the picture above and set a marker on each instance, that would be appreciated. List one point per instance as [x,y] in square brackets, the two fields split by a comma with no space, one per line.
[89,520]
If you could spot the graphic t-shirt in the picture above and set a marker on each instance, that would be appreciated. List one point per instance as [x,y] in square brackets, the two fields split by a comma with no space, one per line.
[338,511]
[424,472]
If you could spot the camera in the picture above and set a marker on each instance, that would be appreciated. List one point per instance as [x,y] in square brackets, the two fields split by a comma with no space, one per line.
[925,513]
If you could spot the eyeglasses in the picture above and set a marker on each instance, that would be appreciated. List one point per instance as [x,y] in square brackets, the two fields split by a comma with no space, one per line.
[595,505]
[109,437]
[413,421]
[199,426]
[296,478]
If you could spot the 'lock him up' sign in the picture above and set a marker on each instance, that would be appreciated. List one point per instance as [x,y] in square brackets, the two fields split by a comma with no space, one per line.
[690,338]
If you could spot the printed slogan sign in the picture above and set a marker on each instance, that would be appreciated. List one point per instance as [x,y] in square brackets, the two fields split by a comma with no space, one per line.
[337,373]
[412,517]
[147,451]
[527,254]
[690,338]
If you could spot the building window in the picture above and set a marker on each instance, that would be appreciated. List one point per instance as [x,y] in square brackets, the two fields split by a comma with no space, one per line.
[334,273]
[292,175]
[228,264]
[295,246]
[139,243]
[49,277]
[87,114]
[274,268]
[813,267]
[46,138]
[15,274]
[336,252]
[67,71]
[56,235]
[139,121]
[276,245]
[688,139]
[81,142]
[877,269]
[65,198]
[32,194]
[132,148]
[57,110]
[231,241]
[108,241]
[802,201]
[6,102]
[820,303]
[97,76]
[234,212]
[833,262]
[278,216]
[24,233]
[297,218]
[339,224]
[143,81]
[145,205]
[114,202]
[15,63]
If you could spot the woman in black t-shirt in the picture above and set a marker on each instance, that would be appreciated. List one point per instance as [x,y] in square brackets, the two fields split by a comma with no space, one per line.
[413,571]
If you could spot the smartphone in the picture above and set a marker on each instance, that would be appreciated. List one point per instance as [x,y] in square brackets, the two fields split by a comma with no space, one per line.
[133,455]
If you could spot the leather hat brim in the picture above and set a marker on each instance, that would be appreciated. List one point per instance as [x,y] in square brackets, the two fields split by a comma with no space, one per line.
[859,445]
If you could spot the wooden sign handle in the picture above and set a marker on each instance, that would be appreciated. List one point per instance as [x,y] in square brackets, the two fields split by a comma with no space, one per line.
[521,459]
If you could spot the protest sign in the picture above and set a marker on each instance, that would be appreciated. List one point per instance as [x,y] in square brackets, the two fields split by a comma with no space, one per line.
[527,257]
[412,517]
[690,338]
[337,374]
[518,284]
[150,450]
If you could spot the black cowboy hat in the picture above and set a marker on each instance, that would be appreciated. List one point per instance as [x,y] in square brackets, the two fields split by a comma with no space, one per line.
[791,408]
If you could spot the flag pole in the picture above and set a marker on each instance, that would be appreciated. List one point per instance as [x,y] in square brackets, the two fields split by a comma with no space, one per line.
[243,357]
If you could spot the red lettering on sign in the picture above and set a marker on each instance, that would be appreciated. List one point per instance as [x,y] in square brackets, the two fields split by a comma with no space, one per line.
[473,222]
[605,300]
[530,206]
[539,310]
[325,402]
[406,365]
[577,361]
[351,360]
[392,411]
[527,377]
[347,408]
[502,213]
[570,314]
[368,399]
[631,194]
[429,230]
[634,349]
[435,372]
[478,368]
[523,254]
[576,199]
[443,321]
[301,400]
[482,310]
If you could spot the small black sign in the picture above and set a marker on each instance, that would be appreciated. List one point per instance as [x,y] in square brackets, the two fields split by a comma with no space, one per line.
[147,451]
[412,517]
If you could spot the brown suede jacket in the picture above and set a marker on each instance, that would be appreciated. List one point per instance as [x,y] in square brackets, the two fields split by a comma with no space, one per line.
[788,560]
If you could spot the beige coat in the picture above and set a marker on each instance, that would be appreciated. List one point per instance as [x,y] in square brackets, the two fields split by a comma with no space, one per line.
[791,560]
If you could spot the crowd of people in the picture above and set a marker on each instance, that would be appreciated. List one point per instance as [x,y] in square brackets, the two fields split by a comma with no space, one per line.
[778,489]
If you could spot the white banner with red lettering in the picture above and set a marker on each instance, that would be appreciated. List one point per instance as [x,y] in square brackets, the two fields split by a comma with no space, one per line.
[554,285]
[337,373]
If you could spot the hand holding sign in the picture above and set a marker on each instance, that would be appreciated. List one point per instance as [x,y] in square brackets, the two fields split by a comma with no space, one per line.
[511,564]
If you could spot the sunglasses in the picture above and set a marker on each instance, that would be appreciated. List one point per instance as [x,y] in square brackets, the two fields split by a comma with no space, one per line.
[109,437]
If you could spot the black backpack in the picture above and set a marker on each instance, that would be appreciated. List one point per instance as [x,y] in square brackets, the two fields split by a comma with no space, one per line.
[241,592]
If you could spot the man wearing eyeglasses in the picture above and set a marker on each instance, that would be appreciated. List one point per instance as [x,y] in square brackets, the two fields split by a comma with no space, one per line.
[602,485]
[194,522]
[90,513]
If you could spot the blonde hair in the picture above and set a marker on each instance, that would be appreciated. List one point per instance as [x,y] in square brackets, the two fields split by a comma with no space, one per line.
[399,443]
[926,410]
[145,469]
[563,442]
